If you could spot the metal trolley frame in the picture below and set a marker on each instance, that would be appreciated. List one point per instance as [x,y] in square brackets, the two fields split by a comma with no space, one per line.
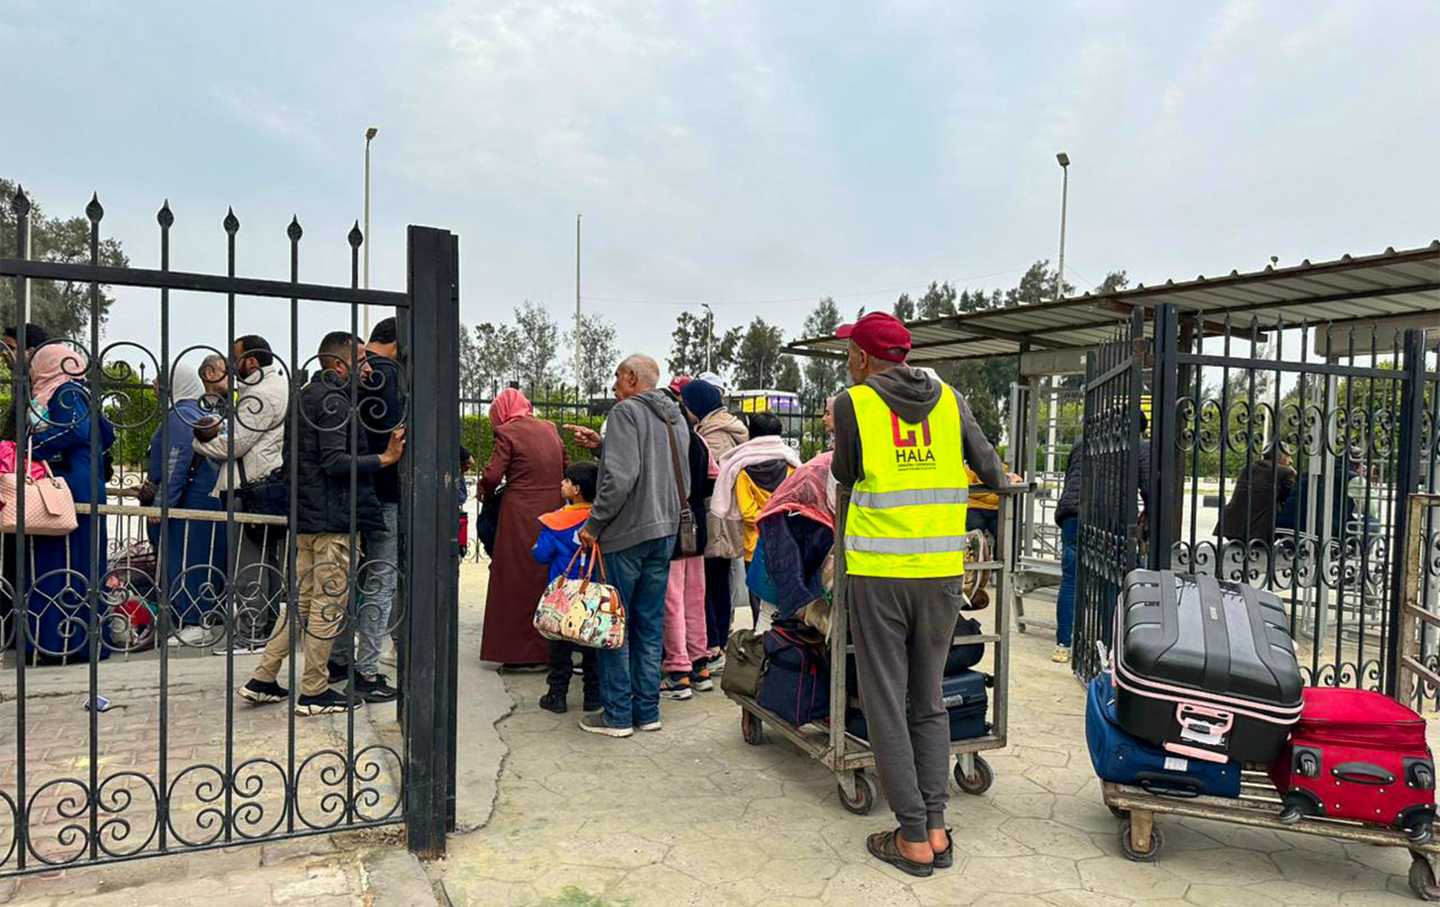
[848,756]
[1259,805]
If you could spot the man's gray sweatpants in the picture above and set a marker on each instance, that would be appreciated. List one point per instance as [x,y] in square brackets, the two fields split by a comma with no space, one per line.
[902,630]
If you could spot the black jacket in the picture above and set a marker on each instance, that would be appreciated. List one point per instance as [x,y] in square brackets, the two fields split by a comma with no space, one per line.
[326,456]
[382,410]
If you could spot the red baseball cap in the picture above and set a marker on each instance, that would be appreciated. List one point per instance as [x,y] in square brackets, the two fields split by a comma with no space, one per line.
[880,334]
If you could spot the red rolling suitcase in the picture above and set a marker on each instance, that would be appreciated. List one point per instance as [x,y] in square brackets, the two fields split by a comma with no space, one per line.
[1358,754]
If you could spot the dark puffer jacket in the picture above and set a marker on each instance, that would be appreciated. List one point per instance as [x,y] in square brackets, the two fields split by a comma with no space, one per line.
[325,459]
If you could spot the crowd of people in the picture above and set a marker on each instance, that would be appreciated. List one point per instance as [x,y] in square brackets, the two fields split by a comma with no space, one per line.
[873,513]
[223,451]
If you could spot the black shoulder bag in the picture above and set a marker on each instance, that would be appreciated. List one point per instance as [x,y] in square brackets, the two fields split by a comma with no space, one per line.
[687,541]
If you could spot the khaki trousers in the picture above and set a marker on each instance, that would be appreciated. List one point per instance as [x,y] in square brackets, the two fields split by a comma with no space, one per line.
[323,563]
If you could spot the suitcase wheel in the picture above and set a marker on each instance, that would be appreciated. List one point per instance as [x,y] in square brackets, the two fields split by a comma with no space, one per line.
[750,729]
[978,782]
[1157,840]
[1422,878]
[865,795]
[1297,805]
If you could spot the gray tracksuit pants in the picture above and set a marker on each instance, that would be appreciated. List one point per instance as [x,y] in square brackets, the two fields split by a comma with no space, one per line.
[902,630]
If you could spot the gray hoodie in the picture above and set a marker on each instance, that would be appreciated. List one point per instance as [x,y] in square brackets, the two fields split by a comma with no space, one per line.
[636,499]
[911,393]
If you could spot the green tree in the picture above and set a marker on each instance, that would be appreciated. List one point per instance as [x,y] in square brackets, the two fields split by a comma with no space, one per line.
[61,307]
[1039,284]
[540,337]
[788,376]
[757,359]
[938,301]
[697,345]
[594,352]
[823,376]
[905,308]
[493,352]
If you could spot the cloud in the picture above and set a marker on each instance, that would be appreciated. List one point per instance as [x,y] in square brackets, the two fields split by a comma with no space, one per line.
[269,116]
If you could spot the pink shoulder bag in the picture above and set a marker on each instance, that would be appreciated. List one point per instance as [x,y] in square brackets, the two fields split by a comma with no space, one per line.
[49,505]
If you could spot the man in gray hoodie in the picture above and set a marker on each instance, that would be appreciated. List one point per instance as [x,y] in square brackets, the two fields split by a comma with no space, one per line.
[634,519]
[902,545]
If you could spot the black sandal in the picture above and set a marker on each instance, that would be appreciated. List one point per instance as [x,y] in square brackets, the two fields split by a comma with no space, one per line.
[944,859]
[883,847]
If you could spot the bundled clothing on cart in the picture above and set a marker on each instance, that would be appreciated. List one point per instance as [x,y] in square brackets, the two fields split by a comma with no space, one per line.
[749,475]
[796,538]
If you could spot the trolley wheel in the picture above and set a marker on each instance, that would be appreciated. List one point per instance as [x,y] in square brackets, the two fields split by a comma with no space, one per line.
[977,783]
[1157,841]
[865,795]
[750,729]
[1422,878]
[1117,812]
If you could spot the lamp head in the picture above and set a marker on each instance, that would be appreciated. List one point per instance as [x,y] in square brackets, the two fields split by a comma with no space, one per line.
[1063,158]
[371,133]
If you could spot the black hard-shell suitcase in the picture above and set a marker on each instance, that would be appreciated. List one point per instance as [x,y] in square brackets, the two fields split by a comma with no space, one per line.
[1204,668]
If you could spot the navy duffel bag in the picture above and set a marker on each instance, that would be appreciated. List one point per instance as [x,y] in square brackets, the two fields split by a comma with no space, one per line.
[795,685]
[1125,759]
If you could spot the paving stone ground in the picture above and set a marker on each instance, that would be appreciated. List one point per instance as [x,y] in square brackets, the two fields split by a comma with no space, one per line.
[692,815]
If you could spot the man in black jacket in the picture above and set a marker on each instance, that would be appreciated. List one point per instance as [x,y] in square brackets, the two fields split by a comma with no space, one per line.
[329,518]
[382,411]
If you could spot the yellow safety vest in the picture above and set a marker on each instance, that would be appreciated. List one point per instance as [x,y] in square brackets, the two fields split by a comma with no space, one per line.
[907,514]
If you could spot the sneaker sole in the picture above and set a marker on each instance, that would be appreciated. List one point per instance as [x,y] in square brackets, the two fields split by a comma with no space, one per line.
[651,727]
[608,731]
[676,695]
[309,711]
[704,686]
[261,698]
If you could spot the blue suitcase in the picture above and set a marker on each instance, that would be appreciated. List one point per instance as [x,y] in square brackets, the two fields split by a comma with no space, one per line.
[1124,759]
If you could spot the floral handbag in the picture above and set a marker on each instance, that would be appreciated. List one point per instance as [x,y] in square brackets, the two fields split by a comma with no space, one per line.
[581,611]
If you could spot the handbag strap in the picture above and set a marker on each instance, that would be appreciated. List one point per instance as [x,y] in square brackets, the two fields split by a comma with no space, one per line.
[675,467]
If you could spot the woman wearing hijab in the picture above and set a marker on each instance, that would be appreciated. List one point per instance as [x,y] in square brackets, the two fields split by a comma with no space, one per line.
[60,567]
[721,431]
[530,460]
[193,556]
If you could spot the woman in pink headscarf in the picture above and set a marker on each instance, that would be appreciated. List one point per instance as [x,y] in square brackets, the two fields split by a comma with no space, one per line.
[60,435]
[530,461]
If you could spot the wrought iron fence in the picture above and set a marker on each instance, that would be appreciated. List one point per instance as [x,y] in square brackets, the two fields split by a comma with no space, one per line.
[1283,455]
[129,633]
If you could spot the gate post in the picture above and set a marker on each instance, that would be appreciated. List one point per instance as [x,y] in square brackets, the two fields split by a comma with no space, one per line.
[1160,484]
[1407,481]
[431,553]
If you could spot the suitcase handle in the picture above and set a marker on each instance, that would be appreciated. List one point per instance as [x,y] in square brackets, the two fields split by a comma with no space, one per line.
[1362,773]
[1203,725]
[1168,786]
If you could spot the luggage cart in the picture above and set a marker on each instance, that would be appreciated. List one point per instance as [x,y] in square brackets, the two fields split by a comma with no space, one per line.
[1259,804]
[849,757]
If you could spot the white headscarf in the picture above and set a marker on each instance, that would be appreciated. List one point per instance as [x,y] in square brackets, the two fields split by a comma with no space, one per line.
[185,383]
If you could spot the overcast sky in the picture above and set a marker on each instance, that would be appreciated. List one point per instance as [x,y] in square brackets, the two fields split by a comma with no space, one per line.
[754,155]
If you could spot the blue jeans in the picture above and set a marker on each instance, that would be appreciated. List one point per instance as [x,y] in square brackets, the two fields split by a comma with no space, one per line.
[630,675]
[1065,603]
[379,573]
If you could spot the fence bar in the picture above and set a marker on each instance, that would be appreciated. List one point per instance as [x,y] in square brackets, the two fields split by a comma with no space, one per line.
[1407,481]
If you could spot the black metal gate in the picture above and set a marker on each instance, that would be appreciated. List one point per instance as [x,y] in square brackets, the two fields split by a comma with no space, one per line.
[1283,455]
[213,509]
[1108,543]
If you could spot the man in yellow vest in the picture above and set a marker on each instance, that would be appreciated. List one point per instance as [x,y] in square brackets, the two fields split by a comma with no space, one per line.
[902,442]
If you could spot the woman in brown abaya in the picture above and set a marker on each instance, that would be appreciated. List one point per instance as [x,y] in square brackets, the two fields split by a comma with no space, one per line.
[530,459]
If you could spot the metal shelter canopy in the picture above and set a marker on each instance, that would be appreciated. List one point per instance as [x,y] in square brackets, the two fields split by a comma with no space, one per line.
[1349,289]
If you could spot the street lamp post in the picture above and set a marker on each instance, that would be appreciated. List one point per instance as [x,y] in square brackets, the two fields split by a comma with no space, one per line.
[577,305]
[1064,160]
[709,337]
[1052,428]
[369,135]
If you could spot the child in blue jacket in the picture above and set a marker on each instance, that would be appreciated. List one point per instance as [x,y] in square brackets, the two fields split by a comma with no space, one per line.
[559,540]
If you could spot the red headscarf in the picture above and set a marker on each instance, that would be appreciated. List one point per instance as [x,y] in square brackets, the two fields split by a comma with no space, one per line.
[509,404]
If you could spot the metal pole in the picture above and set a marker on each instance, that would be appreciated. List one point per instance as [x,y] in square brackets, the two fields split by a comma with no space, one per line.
[27,237]
[578,379]
[1064,201]
[369,135]
[709,337]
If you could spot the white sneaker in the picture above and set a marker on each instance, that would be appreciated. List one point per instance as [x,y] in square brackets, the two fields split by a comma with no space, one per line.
[1061,655]
[197,637]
